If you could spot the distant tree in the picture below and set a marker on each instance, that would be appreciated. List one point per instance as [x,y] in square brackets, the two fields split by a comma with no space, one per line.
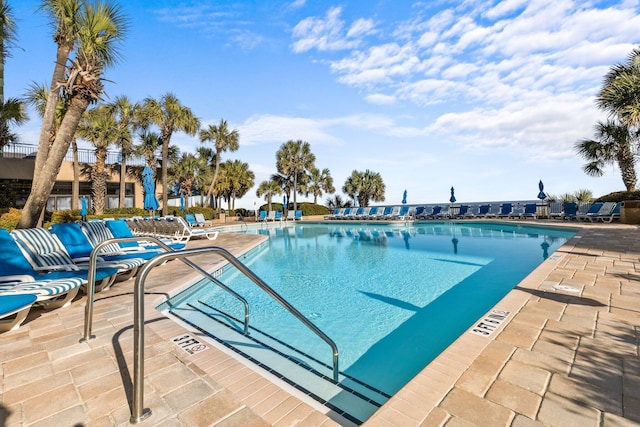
[149,148]
[223,140]
[236,181]
[364,186]
[98,127]
[336,202]
[268,189]
[320,182]
[294,158]
[583,195]
[170,116]
[185,173]
[613,143]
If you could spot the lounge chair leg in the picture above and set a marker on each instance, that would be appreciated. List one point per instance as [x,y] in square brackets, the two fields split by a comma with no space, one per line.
[15,321]
[60,302]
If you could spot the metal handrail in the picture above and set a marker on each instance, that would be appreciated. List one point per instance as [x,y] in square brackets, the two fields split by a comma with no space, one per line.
[91,285]
[137,411]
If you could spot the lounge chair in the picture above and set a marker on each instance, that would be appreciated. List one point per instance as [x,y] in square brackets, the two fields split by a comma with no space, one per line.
[45,251]
[385,212]
[262,216]
[271,216]
[278,216]
[445,213]
[418,212]
[463,210]
[291,215]
[298,215]
[593,210]
[493,211]
[613,215]
[435,211]
[555,210]
[120,228]
[604,212]
[506,210]
[192,221]
[353,214]
[364,213]
[373,212]
[484,211]
[187,232]
[14,309]
[569,210]
[530,211]
[395,211]
[200,219]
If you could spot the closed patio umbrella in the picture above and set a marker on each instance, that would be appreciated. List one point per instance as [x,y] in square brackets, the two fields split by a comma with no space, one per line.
[149,187]
[404,197]
[181,201]
[83,210]
[284,202]
[452,199]
[541,194]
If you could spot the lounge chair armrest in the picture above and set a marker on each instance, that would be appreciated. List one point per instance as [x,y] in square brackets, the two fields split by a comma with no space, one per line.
[16,278]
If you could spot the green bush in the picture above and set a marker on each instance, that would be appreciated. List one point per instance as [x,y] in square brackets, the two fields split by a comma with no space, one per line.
[128,212]
[620,196]
[10,219]
[306,207]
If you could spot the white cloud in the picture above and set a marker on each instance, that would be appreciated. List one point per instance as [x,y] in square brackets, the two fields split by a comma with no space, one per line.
[268,128]
[380,99]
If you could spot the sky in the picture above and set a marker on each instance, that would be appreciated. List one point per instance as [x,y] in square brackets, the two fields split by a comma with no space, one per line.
[488,97]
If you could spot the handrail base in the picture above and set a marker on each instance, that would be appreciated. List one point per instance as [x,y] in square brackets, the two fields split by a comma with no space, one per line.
[83,339]
[146,413]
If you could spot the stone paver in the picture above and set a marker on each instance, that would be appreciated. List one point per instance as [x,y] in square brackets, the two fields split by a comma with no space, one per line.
[567,355]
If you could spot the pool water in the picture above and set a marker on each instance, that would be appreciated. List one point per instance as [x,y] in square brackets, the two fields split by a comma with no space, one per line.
[392,298]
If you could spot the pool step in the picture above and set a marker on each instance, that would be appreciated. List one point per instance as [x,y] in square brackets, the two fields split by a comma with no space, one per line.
[350,398]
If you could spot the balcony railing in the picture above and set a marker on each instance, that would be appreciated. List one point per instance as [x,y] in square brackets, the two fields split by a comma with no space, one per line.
[29,151]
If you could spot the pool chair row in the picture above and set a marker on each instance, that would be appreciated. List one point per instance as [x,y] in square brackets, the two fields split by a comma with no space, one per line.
[593,212]
[172,228]
[388,213]
[502,210]
[292,215]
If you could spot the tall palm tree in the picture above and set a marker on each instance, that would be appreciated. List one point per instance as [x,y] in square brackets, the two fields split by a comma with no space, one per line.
[294,158]
[186,172]
[223,140]
[149,148]
[268,189]
[620,93]
[124,113]
[99,127]
[170,116]
[101,27]
[64,16]
[364,186]
[612,144]
[236,181]
[320,181]
[8,37]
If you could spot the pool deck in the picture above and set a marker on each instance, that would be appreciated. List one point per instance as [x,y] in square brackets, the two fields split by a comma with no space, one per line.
[567,354]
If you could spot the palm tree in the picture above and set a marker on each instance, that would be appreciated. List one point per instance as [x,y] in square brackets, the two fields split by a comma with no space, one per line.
[364,186]
[223,140]
[8,37]
[292,159]
[100,27]
[65,17]
[612,144]
[268,189]
[124,113]
[236,181]
[99,127]
[12,112]
[186,172]
[170,116]
[337,202]
[583,195]
[319,182]
[620,92]
[149,147]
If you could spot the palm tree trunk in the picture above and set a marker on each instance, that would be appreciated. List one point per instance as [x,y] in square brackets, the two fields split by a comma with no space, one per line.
[99,182]
[41,189]
[123,175]
[75,187]
[165,160]
[627,168]
[213,180]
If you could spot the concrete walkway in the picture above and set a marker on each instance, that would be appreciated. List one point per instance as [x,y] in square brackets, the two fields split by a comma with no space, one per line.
[566,354]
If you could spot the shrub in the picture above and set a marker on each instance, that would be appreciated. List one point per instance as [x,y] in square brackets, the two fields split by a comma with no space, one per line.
[206,211]
[10,219]
[619,196]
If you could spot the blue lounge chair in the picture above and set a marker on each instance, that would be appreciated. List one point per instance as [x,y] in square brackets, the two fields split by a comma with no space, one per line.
[353,214]
[44,251]
[192,221]
[402,214]
[418,212]
[484,211]
[463,210]
[505,210]
[569,210]
[604,212]
[14,309]
[435,211]
[13,262]
[298,215]
[613,215]
[385,212]
[530,211]
[278,216]
[262,216]
[593,210]
[119,228]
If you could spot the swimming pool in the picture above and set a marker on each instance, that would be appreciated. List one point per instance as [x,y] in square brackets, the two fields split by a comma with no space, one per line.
[392,298]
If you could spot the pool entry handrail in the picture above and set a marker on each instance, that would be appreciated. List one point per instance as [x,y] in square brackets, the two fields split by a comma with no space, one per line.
[91,279]
[138,413]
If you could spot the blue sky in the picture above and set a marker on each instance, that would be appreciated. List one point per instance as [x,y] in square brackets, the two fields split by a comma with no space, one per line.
[485,96]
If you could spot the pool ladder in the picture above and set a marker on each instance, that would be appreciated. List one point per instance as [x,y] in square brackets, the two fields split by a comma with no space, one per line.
[138,413]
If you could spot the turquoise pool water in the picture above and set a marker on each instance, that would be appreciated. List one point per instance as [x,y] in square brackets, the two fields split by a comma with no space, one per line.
[392,298]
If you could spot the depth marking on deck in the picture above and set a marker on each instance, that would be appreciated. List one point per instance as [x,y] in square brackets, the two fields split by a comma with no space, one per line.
[189,344]
[490,323]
